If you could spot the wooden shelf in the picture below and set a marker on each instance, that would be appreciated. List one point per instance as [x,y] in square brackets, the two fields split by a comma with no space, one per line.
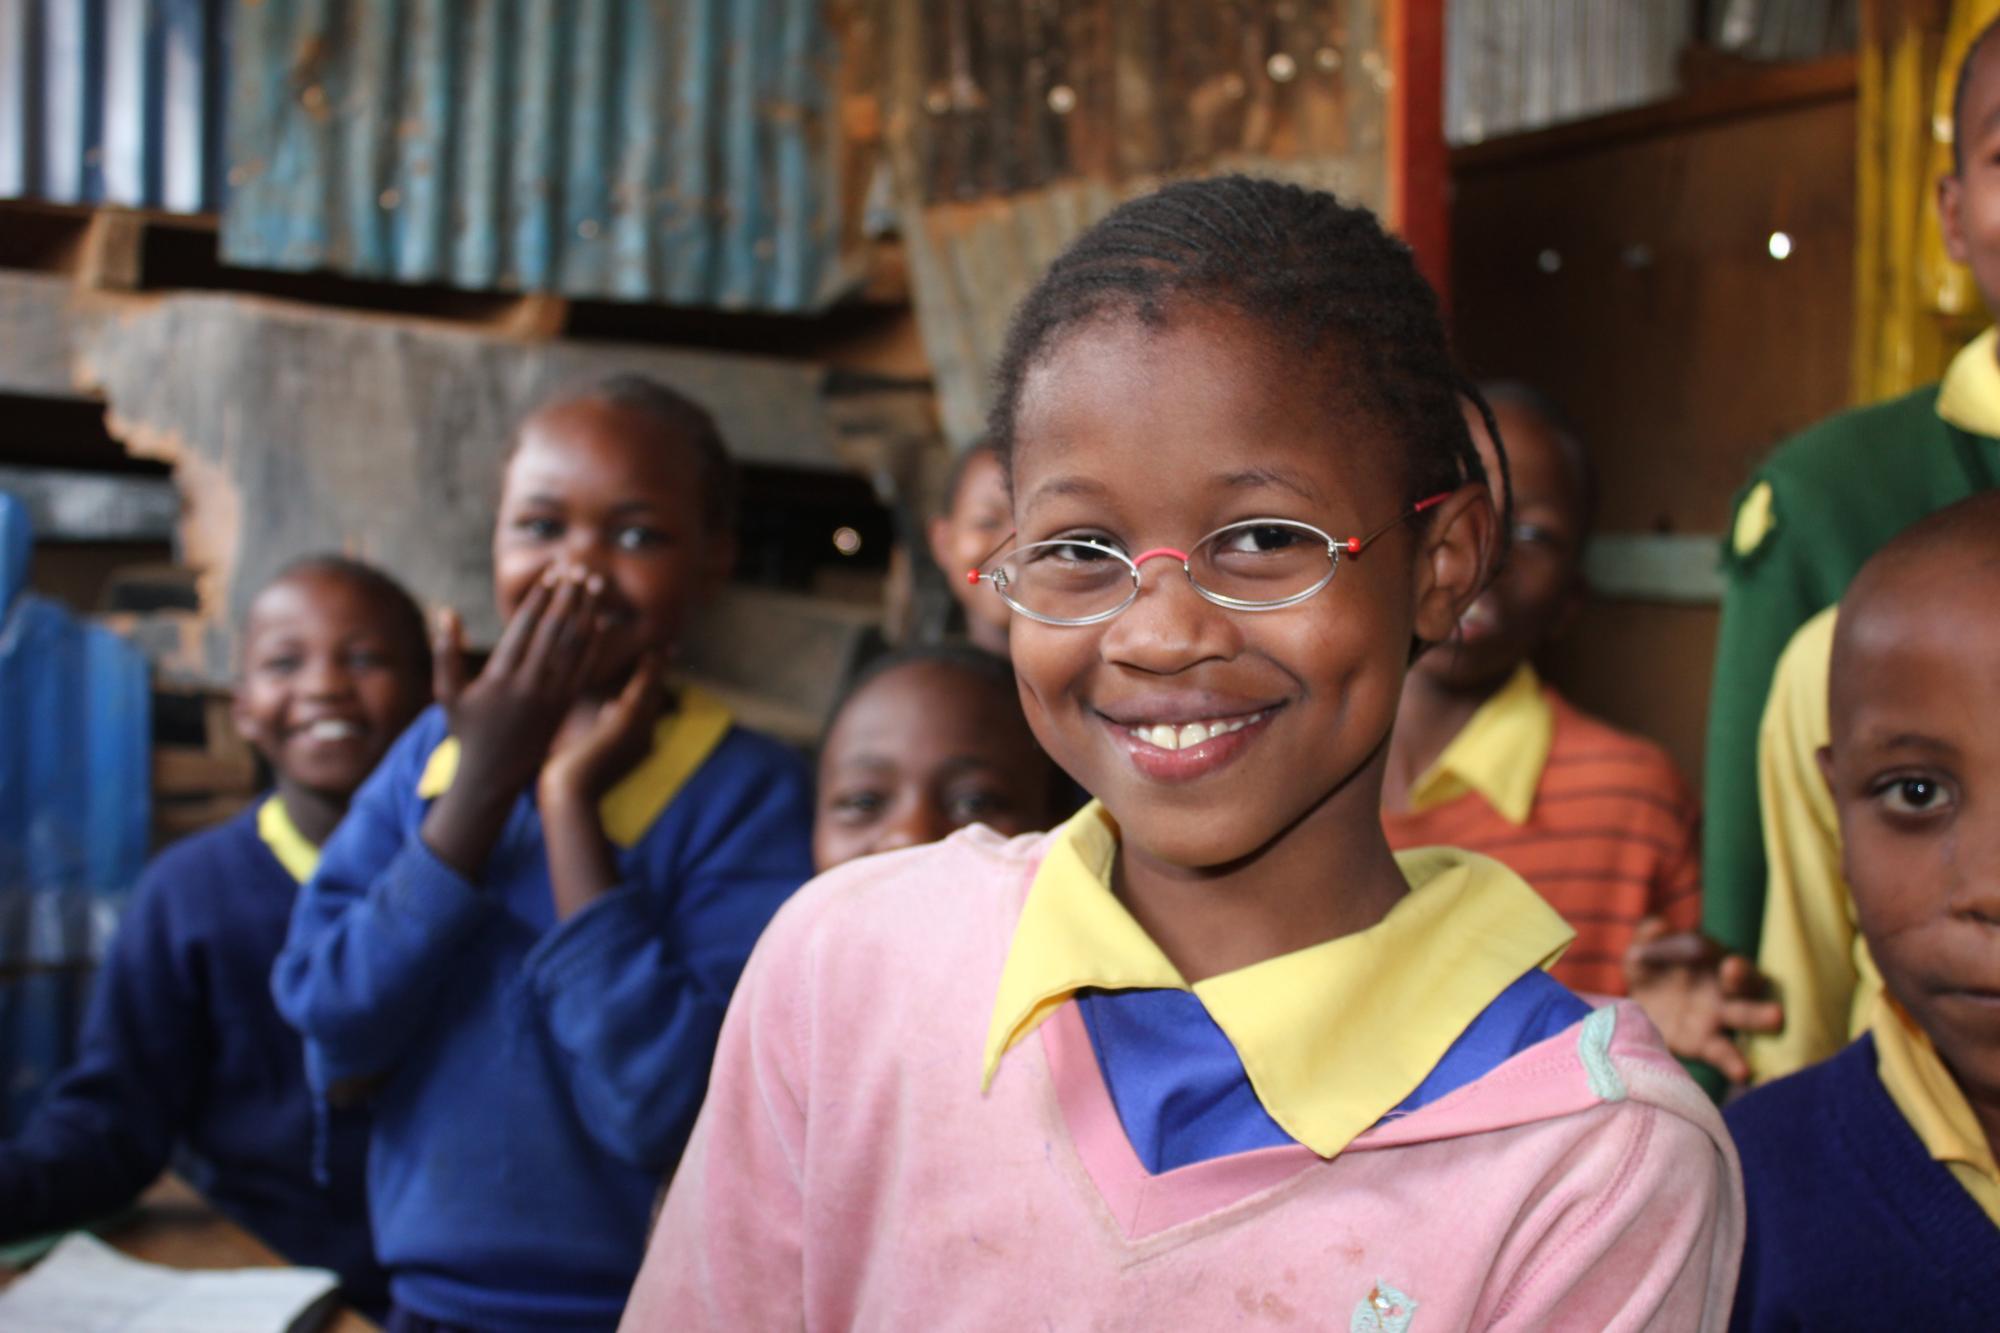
[1721,97]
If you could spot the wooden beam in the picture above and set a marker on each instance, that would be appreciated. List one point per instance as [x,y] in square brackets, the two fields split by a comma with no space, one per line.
[39,329]
[67,506]
[1768,88]
[379,436]
[114,245]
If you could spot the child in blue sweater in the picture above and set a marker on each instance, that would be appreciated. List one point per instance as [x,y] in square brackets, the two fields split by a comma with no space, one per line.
[1873,1194]
[521,942]
[183,1055]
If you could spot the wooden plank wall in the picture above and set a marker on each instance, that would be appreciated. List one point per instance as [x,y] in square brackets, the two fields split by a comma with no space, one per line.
[1623,266]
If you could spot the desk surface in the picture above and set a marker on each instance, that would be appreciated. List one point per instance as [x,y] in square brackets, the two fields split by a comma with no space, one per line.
[175,1226]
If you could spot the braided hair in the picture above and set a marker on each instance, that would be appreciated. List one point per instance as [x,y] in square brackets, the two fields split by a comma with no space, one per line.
[1314,270]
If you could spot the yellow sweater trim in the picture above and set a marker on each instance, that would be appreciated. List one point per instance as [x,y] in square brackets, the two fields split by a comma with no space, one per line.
[295,852]
[682,741]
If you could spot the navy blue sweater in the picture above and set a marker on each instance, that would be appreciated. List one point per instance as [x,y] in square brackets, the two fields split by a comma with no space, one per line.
[182,1048]
[540,1078]
[1852,1224]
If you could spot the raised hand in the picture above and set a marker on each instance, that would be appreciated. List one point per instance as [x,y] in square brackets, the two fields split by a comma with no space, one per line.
[592,752]
[507,716]
[1699,995]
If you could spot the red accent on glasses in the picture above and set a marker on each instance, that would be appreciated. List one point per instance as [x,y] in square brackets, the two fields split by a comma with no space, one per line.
[1355,545]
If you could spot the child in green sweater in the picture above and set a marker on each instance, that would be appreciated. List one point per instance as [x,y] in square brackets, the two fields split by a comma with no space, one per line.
[1830,496]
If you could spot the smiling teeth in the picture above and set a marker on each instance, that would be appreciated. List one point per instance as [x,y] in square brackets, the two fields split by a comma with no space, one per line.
[333,730]
[1166,736]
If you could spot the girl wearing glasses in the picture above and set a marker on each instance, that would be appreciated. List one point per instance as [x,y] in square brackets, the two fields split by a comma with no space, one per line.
[1209,1052]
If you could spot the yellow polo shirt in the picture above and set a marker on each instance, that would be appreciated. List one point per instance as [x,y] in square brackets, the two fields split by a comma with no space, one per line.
[1969,394]
[1930,1099]
[1500,753]
[1404,989]
[1811,944]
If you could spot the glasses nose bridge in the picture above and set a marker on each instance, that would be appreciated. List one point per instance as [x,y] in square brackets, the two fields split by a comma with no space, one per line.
[1178,556]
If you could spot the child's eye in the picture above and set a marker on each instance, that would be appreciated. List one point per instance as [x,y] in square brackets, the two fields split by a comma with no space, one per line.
[1260,539]
[1914,795]
[539,528]
[972,807]
[640,537]
[1533,534]
[281,666]
[858,807]
[1073,551]
[367,659]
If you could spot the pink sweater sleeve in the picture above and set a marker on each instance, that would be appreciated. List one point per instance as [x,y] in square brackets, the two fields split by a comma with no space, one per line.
[727,1250]
[1658,1248]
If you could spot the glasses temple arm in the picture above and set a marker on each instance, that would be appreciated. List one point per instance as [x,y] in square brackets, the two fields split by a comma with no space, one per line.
[972,575]
[1356,545]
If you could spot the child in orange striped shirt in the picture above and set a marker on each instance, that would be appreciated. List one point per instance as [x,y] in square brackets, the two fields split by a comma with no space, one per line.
[1487,757]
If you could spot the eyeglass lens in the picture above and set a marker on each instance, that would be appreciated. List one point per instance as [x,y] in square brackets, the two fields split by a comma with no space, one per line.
[1259,563]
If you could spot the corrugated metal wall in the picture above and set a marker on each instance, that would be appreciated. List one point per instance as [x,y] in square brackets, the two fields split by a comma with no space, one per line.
[113,101]
[1785,29]
[679,151]
[1512,67]
[1012,127]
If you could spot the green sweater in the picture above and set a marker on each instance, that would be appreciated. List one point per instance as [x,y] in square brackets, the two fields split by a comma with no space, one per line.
[1838,491]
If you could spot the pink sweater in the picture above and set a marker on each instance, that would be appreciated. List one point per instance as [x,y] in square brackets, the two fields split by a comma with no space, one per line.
[847,1173]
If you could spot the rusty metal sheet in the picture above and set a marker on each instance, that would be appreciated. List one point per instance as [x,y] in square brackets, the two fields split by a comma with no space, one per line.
[113,101]
[680,151]
[1013,124]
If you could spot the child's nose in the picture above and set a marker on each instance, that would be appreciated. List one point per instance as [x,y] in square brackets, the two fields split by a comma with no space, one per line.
[1975,871]
[589,550]
[326,676]
[917,823]
[1168,626]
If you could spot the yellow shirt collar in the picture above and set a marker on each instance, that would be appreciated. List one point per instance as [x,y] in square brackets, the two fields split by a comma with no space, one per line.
[1969,397]
[1930,1099]
[681,741]
[1404,989]
[1500,753]
[295,852]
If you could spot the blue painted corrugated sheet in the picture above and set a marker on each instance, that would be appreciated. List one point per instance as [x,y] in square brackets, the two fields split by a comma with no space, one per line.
[113,101]
[75,801]
[678,151]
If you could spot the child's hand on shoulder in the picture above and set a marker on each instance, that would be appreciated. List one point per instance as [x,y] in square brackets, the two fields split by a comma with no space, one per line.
[1699,996]
[594,749]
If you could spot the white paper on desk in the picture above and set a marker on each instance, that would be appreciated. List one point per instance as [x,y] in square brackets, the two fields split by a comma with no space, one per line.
[85,1286]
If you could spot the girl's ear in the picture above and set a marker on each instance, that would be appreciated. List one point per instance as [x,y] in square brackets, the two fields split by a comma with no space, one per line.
[1951,217]
[1456,554]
